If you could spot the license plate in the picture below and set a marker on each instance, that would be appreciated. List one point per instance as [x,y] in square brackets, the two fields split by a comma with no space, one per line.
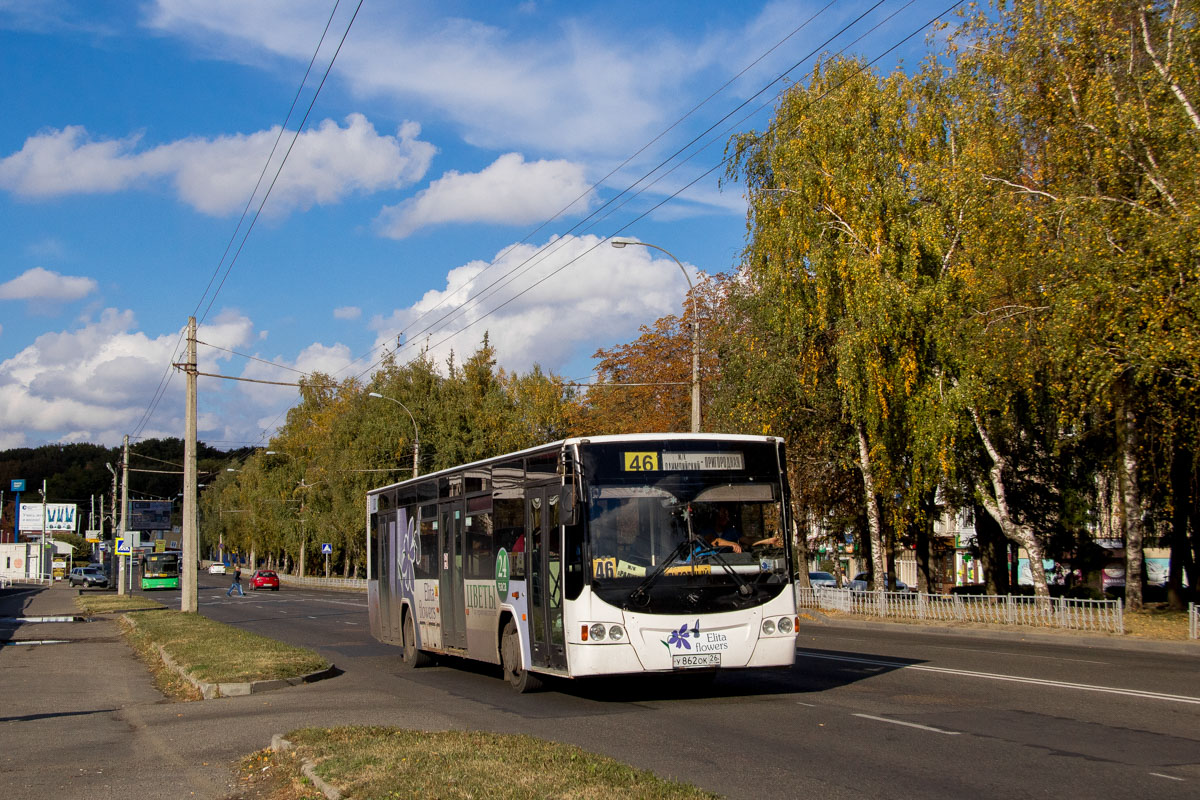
[691,661]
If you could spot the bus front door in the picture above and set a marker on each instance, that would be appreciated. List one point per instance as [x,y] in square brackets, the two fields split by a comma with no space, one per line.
[544,532]
[450,585]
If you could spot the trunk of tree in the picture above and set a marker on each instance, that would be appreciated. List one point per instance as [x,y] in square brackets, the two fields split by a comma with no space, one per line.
[872,508]
[996,504]
[993,552]
[1181,500]
[799,537]
[924,537]
[1131,509]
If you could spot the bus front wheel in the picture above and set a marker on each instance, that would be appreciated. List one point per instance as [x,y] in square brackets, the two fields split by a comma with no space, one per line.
[411,656]
[510,658]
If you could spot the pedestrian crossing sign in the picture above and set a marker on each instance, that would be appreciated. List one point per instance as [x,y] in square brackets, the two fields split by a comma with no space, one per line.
[124,547]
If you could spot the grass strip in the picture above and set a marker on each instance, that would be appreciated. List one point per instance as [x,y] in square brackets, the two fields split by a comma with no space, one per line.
[108,603]
[385,762]
[217,653]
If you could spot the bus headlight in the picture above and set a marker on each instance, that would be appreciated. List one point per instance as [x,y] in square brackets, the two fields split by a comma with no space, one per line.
[768,627]
[616,633]
[785,625]
[597,632]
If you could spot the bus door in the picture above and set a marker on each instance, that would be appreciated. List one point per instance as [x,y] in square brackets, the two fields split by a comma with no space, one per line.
[450,584]
[389,595]
[544,535]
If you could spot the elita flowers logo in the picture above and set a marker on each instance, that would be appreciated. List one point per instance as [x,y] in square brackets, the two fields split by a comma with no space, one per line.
[680,639]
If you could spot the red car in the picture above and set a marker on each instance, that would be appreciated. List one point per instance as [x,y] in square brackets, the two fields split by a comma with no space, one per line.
[264,579]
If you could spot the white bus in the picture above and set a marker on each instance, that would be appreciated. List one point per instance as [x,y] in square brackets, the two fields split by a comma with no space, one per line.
[591,556]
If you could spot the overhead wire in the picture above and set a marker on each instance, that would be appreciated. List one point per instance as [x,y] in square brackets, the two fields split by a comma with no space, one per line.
[168,373]
[548,250]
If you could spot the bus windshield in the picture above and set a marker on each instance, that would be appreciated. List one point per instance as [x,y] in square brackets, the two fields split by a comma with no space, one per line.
[682,540]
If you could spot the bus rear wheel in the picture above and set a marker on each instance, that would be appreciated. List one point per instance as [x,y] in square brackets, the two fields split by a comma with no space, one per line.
[410,655]
[518,678]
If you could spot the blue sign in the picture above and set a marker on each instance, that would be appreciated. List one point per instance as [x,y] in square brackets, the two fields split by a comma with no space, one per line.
[326,548]
[17,485]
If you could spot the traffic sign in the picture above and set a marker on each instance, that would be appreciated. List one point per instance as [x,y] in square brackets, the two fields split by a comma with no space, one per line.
[124,547]
[326,548]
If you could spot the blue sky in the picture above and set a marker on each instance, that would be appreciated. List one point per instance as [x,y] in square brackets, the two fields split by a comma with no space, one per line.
[436,156]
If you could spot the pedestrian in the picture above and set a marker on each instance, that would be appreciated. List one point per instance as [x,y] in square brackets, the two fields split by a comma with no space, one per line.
[237,583]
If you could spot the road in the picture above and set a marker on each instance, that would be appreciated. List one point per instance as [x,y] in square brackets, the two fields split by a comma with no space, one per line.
[864,713]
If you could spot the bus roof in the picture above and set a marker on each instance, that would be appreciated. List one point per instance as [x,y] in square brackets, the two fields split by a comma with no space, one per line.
[574,440]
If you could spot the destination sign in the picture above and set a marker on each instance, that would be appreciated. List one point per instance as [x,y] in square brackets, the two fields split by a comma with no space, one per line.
[690,462]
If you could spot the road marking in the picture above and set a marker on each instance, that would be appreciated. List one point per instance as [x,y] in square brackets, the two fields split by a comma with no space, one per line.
[982,650]
[1168,777]
[808,705]
[992,676]
[909,724]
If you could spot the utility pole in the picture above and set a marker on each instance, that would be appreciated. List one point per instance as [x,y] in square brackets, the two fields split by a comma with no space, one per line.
[124,509]
[189,596]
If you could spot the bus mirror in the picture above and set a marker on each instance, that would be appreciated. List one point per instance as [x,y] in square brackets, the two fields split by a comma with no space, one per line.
[566,505]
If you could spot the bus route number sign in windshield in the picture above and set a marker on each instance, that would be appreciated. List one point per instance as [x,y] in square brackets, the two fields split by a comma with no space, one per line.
[683,462]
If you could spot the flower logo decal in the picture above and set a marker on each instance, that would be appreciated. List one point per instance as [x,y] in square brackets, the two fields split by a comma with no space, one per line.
[408,552]
[680,639]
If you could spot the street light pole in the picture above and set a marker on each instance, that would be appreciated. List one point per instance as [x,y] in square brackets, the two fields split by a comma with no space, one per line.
[416,433]
[619,243]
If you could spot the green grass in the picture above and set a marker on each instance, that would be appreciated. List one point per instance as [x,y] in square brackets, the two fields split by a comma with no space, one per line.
[379,762]
[218,653]
[108,603]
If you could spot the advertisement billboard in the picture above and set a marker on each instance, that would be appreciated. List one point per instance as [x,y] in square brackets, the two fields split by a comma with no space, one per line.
[58,517]
[149,515]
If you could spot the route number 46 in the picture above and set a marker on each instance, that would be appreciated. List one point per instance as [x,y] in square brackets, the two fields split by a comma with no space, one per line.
[641,462]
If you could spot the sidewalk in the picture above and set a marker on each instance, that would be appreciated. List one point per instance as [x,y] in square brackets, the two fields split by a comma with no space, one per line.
[82,718]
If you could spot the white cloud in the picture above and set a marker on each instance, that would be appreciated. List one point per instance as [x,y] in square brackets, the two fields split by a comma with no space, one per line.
[603,295]
[562,87]
[215,176]
[510,191]
[44,284]
[347,312]
[94,383]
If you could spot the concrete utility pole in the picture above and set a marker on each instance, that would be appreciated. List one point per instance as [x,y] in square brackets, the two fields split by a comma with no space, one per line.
[124,509]
[189,600]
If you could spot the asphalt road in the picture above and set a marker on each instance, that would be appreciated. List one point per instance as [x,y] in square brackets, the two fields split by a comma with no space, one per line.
[864,713]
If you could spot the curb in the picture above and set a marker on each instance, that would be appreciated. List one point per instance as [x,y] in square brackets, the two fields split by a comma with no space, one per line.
[308,768]
[211,691]
[1125,642]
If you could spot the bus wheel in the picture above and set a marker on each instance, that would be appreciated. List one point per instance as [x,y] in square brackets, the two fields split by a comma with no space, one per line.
[510,657]
[412,657]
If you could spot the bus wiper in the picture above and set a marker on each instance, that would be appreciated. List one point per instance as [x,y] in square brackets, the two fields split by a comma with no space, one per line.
[744,589]
[639,595]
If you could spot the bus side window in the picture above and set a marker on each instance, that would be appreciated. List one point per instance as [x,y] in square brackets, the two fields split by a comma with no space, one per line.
[509,520]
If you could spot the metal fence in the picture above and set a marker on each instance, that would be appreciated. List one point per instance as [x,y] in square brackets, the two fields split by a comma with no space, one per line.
[347,584]
[1193,621]
[1056,612]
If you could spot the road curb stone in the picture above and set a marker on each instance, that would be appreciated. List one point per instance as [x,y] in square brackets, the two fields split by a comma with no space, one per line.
[280,744]
[211,691]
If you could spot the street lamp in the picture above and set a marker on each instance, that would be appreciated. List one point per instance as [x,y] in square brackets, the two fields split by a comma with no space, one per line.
[620,243]
[416,433]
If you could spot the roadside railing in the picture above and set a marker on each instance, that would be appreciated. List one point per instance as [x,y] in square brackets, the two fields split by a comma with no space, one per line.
[1056,612]
[345,584]
[1193,621]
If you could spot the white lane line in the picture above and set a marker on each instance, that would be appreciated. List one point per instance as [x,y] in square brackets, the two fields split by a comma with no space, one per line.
[909,724]
[1168,777]
[807,705]
[982,650]
[992,676]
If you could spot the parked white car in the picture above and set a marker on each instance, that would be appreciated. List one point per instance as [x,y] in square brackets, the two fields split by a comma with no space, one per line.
[862,580]
[216,569]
